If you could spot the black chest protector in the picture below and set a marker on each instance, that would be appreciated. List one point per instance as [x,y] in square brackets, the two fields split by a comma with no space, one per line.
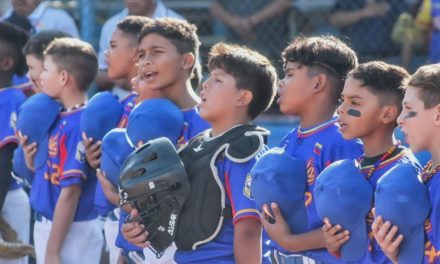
[203,212]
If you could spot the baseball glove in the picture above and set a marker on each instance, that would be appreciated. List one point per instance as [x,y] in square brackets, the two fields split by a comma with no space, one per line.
[10,247]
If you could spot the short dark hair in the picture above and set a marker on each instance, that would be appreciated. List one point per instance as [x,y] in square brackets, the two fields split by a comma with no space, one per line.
[427,80]
[39,42]
[76,57]
[251,71]
[181,33]
[14,38]
[327,53]
[133,25]
[384,80]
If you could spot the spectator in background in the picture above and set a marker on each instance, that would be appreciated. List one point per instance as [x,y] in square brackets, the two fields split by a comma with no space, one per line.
[434,54]
[36,15]
[148,8]
[260,24]
[368,25]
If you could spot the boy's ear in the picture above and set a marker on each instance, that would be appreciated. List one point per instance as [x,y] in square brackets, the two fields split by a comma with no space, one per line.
[7,63]
[320,82]
[389,114]
[245,98]
[188,60]
[437,115]
[63,77]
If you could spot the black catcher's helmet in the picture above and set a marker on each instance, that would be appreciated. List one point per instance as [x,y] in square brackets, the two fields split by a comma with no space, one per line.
[153,181]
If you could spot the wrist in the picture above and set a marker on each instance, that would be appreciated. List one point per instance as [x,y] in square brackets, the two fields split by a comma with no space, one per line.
[253,21]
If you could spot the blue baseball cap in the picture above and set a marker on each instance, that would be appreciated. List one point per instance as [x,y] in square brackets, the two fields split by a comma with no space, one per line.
[101,114]
[344,196]
[115,149]
[37,116]
[154,118]
[403,199]
[278,177]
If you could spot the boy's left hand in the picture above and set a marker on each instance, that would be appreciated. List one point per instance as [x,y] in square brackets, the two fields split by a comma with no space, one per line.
[334,237]
[275,225]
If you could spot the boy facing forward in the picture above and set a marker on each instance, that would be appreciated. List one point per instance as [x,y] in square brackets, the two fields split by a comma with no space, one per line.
[66,229]
[420,123]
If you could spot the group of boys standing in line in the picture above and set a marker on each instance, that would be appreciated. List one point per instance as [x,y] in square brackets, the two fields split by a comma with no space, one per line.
[160,57]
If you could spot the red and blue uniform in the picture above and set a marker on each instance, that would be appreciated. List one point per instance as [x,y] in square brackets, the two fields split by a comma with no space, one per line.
[319,146]
[66,165]
[400,155]
[10,101]
[432,225]
[104,206]
[221,249]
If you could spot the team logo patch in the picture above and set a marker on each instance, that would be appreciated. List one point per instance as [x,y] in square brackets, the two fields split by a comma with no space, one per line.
[80,152]
[13,120]
[247,187]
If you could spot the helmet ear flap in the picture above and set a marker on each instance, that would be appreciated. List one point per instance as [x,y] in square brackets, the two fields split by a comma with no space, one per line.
[153,180]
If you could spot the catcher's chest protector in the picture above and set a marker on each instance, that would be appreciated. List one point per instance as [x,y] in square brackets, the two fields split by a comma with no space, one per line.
[203,212]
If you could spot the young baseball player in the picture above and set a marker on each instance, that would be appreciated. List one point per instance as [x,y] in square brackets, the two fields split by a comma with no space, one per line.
[315,71]
[370,105]
[66,229]
[14,202]
[121,57]
[165,44]
[241,85]
[420,123]
[33,51]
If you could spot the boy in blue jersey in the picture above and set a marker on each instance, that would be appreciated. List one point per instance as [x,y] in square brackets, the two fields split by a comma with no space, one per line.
[14,203]
[420,123]
[240,86]
[168,61]
[370,105]
[121,57]
[168,50]
[315,71]
[66,228]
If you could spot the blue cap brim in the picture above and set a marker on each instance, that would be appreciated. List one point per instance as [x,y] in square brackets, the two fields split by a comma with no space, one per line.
[356,247]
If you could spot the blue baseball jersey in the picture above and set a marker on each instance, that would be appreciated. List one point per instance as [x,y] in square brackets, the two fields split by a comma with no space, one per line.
[193,125]
[221,248]
[401,155]
[103,205]
[432,225]
[128,102]
[10,101]
[319,146]
[66,165]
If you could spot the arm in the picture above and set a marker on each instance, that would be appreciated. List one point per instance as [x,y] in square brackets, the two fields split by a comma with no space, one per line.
[347,18]
[109,190]
[93,151]
[6,153]
[280,233]
[247,241]
[271,10]
[63,217]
